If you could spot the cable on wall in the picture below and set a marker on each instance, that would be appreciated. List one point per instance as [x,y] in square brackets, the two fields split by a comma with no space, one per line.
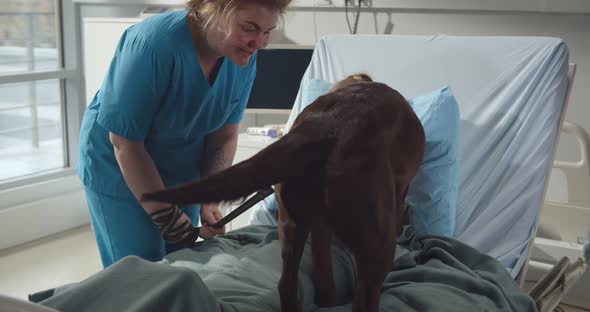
[351,29]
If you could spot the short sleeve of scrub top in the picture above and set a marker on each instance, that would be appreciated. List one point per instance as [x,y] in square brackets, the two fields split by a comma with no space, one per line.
[132,93]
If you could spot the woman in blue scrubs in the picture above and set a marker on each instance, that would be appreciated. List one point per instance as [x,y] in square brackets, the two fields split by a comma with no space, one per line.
[167,113]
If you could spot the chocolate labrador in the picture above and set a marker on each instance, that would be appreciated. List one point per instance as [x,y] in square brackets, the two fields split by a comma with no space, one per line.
[343,169]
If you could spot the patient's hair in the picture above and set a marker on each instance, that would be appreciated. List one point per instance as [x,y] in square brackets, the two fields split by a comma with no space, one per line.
[352,79]
[207,12]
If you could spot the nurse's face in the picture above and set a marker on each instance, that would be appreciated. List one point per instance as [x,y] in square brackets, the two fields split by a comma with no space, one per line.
[249,30]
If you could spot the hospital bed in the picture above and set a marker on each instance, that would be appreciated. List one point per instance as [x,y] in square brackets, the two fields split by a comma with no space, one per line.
[512,95]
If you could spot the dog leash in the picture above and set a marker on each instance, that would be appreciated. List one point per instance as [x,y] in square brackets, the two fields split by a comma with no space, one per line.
[259,196]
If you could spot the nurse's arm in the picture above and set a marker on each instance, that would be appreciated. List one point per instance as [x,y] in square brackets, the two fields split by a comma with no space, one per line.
[139,171]
[220,149]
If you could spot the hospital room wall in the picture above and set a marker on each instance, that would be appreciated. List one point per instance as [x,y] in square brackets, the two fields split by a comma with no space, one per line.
[306,27]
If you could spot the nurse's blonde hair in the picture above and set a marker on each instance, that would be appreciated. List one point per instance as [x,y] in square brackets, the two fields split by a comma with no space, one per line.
[207,12]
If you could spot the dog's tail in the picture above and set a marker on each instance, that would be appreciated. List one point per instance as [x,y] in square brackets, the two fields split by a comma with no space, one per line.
[292,155]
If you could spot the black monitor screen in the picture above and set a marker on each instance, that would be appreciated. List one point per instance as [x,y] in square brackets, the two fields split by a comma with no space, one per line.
[278,76]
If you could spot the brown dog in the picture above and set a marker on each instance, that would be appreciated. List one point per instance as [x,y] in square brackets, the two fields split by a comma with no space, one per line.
[344,169]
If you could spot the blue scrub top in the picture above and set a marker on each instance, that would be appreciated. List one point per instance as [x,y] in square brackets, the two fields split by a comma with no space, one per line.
[155,92]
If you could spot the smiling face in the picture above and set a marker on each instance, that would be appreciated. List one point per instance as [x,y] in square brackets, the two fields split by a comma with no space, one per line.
[239,36]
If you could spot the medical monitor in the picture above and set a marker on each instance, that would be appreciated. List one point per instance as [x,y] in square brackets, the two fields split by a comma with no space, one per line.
[279,69]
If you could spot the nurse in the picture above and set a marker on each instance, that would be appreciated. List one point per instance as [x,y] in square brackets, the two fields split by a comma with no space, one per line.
[167,113]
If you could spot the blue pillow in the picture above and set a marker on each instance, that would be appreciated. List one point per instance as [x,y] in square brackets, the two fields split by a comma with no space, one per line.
[433,193]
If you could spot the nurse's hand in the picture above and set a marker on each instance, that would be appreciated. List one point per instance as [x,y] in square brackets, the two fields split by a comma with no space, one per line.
[210,214]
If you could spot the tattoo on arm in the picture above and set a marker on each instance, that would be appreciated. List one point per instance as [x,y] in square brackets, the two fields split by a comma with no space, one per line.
[220,149]
[217,160]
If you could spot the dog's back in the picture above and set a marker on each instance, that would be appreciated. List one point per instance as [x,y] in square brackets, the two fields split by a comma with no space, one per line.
[377,134]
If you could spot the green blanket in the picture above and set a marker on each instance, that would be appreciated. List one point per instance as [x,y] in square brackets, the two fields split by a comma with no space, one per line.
[240,271]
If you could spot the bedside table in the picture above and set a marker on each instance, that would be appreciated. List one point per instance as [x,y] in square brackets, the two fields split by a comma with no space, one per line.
[248,146]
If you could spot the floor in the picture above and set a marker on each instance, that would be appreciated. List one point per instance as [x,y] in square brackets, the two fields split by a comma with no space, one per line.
[60,259]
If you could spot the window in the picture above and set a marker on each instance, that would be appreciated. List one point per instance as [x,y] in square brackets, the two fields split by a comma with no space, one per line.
[32,90]
[28,35]
[31,136]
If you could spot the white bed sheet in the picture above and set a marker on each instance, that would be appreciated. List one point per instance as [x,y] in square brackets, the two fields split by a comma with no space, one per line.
[510,92]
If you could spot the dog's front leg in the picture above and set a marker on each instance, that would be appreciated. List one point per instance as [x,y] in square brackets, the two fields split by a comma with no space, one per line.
[323,276]
[293,239]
